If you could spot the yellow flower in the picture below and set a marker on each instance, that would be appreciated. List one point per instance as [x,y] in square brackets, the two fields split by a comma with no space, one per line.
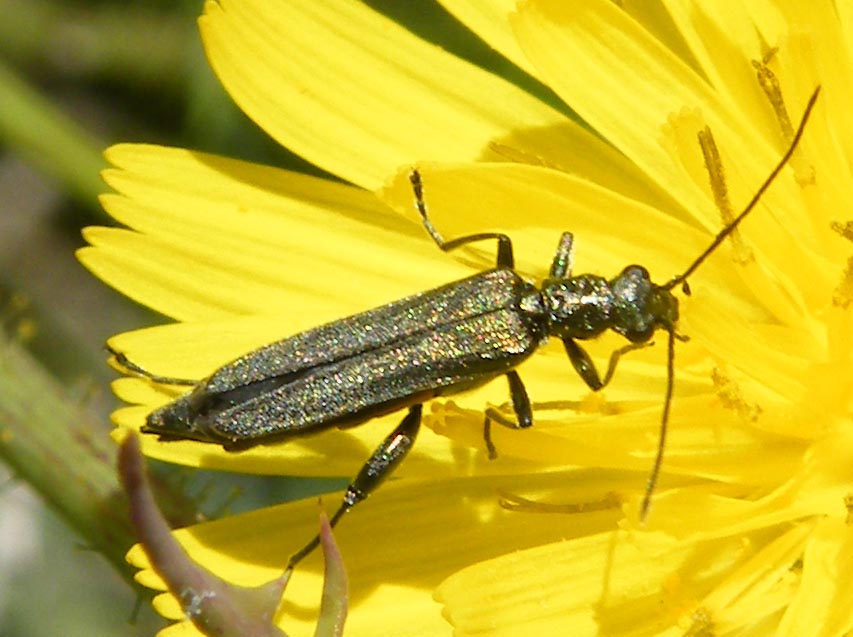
[748,533]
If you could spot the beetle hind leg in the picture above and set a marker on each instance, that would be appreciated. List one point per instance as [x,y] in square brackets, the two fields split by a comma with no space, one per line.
[122,359]
[378,467]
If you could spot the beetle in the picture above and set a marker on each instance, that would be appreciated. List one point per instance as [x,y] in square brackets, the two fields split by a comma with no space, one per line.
[439,342]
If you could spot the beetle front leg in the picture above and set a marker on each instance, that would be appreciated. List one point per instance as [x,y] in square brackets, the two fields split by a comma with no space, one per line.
[379,466]
[586,368]
[521,407]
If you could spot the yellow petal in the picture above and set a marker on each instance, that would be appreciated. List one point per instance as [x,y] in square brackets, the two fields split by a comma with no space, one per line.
[601,582]
[219,237]
[354,92]
[626,84]
[427,530]
[821,606]
[489,19]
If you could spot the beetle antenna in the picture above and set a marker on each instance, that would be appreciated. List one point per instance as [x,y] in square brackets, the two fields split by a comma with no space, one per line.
[725,232]
[664,426]
[651,485]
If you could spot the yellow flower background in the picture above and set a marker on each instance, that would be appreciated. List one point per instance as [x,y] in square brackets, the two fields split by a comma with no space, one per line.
[748,532]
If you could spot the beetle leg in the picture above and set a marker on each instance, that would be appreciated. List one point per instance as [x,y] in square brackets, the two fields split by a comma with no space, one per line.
[561,266]
[132,367]
[379,466]
[505,258]
[521,407]
[586,368]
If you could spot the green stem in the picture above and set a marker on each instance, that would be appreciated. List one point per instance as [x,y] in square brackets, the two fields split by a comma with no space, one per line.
[43,135]
[52,443]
